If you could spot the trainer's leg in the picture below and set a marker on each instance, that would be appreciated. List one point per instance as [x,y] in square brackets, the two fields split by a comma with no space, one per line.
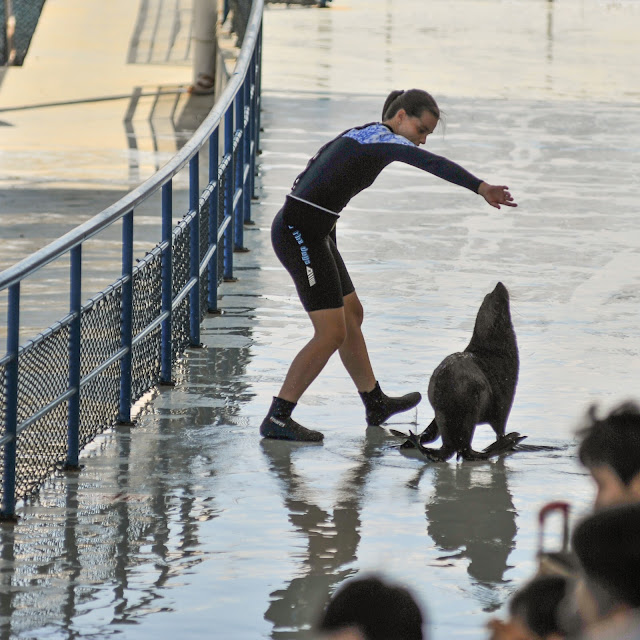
[329,334]
[355,357]
[353,351]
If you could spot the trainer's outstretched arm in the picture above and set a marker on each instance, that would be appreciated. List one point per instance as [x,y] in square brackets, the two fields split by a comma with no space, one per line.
[496,195]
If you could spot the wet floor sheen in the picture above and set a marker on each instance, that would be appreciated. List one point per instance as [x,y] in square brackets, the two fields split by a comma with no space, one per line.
[188,525]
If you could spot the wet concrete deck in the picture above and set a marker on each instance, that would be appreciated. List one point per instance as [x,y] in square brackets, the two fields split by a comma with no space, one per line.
[189,525]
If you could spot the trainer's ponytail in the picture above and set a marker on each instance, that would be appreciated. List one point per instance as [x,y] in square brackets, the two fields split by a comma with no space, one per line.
[389,101]
[413,101]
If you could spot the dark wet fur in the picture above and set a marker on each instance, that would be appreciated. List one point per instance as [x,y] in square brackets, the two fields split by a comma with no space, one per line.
[476,386]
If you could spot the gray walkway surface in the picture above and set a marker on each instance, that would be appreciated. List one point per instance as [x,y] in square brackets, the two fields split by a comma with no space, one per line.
[188,525]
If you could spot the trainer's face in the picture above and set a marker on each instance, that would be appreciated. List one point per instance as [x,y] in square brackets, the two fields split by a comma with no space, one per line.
[413,128]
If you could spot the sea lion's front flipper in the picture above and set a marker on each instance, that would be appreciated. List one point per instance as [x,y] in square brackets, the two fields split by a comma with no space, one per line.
[471,455]
[504,444]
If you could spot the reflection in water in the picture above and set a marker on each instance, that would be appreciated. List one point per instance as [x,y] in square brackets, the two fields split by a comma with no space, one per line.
[471,512]
[332,537]
[550,31]
[388,45]
[158,122]
[72,552]
[57,569]
[7,591]
[324,44]
[100,549]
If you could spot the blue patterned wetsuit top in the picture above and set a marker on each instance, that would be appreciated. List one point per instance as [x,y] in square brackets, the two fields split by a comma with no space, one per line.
[351,162]
[374,133]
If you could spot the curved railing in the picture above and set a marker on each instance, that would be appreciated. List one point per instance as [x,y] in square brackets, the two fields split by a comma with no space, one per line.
[84,373]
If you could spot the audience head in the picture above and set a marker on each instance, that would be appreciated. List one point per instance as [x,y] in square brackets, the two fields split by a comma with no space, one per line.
[371,609]
[534,611]
[535,607]
[606,600]
[607,547]
[610,449]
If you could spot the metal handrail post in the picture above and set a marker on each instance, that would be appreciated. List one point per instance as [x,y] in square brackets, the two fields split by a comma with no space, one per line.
[238,239]
[214,141]
[228,194]
[126,319]
[11,406]
[167,283]
[259,90]
[75,308]
[246,140]
[252,124]
[194,251]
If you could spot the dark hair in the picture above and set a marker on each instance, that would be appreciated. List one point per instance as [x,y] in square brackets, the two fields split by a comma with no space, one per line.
[413,101]
[613,441]
[537,603]
[606,544]
[378,610]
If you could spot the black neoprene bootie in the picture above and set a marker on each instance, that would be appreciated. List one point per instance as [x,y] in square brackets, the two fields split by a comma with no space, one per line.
[380,407]
[279,425]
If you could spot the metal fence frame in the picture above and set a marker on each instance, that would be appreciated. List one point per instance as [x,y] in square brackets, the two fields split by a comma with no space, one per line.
[207,236]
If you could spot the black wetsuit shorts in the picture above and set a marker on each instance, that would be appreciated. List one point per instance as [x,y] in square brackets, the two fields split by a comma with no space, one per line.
[305,243]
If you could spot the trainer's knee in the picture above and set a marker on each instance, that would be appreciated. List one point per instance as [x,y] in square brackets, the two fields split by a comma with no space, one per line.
[332,337]
[338,336]
[354,312]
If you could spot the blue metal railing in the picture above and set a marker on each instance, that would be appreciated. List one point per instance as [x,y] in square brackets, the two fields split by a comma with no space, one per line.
[84,373]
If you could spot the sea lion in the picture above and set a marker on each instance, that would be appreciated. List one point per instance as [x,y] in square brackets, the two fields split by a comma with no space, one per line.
[475,386]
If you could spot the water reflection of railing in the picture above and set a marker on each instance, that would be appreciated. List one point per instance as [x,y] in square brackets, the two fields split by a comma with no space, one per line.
[82,375]
[82,551]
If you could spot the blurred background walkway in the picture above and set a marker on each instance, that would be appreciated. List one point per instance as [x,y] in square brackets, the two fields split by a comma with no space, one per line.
[100,103]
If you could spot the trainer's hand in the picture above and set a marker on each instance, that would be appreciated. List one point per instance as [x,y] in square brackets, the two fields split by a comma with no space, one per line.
[496,195]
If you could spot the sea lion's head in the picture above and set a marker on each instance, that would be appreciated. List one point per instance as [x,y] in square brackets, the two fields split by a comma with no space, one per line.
[493,329]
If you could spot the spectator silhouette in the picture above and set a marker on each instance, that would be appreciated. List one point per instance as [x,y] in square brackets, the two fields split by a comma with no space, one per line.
[610,449]
[371,609]
[607,595]
[534,611]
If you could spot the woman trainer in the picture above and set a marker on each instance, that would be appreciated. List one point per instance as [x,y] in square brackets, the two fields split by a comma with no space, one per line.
[304,238]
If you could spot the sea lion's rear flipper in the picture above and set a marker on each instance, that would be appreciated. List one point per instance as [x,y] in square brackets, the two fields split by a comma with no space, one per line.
[430,434]
[408,443]
[504,444]
[435,455]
